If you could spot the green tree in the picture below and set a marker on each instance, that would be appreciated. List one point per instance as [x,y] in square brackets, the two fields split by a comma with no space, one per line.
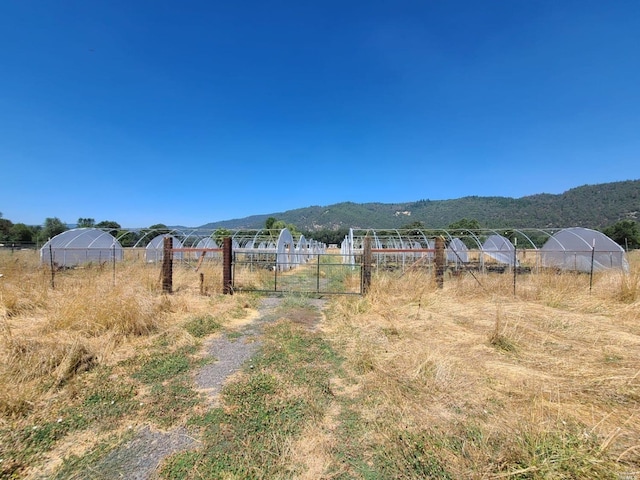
[158,226]
[625,233]
[112,227]
[52,226]
[5,228]
[220,234]
[278,225]
[269,223]
[127,238]
[86,222]
[22,233]
[465,224]
[148,234]
[461,229]
[108,224]
[414,226]
[328,236]
[273,223]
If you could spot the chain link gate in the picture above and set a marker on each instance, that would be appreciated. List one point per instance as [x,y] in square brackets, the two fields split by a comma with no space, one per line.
[323,274]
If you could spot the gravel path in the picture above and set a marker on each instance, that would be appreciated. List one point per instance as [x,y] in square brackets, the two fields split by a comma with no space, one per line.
[140,458]
[231,353]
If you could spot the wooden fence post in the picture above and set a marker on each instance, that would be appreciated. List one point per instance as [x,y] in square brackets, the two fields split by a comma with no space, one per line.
[367,260]
[227,281]
[167,265]
[440,262]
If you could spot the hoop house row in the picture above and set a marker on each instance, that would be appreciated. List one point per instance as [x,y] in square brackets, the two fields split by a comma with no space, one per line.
[84,245]
[575,249]
[275,248]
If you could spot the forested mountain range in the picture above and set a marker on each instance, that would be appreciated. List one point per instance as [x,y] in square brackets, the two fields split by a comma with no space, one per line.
[592,206]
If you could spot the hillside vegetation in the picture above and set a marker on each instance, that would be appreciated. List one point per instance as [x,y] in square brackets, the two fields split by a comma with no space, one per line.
[592,206]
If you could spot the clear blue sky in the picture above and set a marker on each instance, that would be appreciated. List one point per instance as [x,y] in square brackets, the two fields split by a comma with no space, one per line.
[189,112]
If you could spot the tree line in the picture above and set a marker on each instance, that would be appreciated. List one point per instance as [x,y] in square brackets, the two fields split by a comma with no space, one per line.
[624,232]
[22,234]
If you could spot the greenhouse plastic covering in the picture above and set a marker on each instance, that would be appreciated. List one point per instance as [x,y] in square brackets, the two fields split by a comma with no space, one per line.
[578,248]
[565,249]
[154,251]
[279,244]
[457,251]
[500,249]
[207,242]
[81,245]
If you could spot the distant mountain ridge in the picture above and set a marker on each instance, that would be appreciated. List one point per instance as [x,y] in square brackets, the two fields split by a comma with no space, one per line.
[591,206]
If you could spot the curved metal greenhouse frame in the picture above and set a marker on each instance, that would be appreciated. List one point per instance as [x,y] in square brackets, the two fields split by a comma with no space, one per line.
[507,247]
[500,249]
[81,245]
[581,249]
[565,249]
[154,251]
[275,248]
[208,243]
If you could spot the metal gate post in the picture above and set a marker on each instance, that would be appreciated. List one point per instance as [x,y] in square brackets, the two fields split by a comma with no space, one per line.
[440,262]
[227,279]
[275,275]
[167,265]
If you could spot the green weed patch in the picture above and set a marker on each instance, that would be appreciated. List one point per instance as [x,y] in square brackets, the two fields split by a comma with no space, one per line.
[250,435]
[202,325]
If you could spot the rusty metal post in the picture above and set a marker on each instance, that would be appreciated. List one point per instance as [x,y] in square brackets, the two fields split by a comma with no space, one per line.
[367,260]
[201,283]
[227,283]
[440,262]
[167,265]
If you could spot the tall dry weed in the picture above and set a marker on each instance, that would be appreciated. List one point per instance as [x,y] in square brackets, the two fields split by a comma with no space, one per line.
[630,287]
[32,365]
[23,285]
[52,333]
[97,309]
[525,385]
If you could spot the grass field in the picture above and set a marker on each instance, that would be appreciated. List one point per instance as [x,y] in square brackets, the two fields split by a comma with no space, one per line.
[409,381]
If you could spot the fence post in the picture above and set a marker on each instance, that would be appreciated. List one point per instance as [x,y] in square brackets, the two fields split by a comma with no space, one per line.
[227,284]
[53,270]
[318,275]
[440,262]
[366,265]
[167,265]
[593,253]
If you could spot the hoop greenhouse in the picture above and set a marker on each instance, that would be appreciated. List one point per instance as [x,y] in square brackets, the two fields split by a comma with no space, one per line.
[81,245]
[565,249]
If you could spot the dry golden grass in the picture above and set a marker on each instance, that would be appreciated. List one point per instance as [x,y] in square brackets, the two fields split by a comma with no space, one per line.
[543,384]
[556,361]
[92,316]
